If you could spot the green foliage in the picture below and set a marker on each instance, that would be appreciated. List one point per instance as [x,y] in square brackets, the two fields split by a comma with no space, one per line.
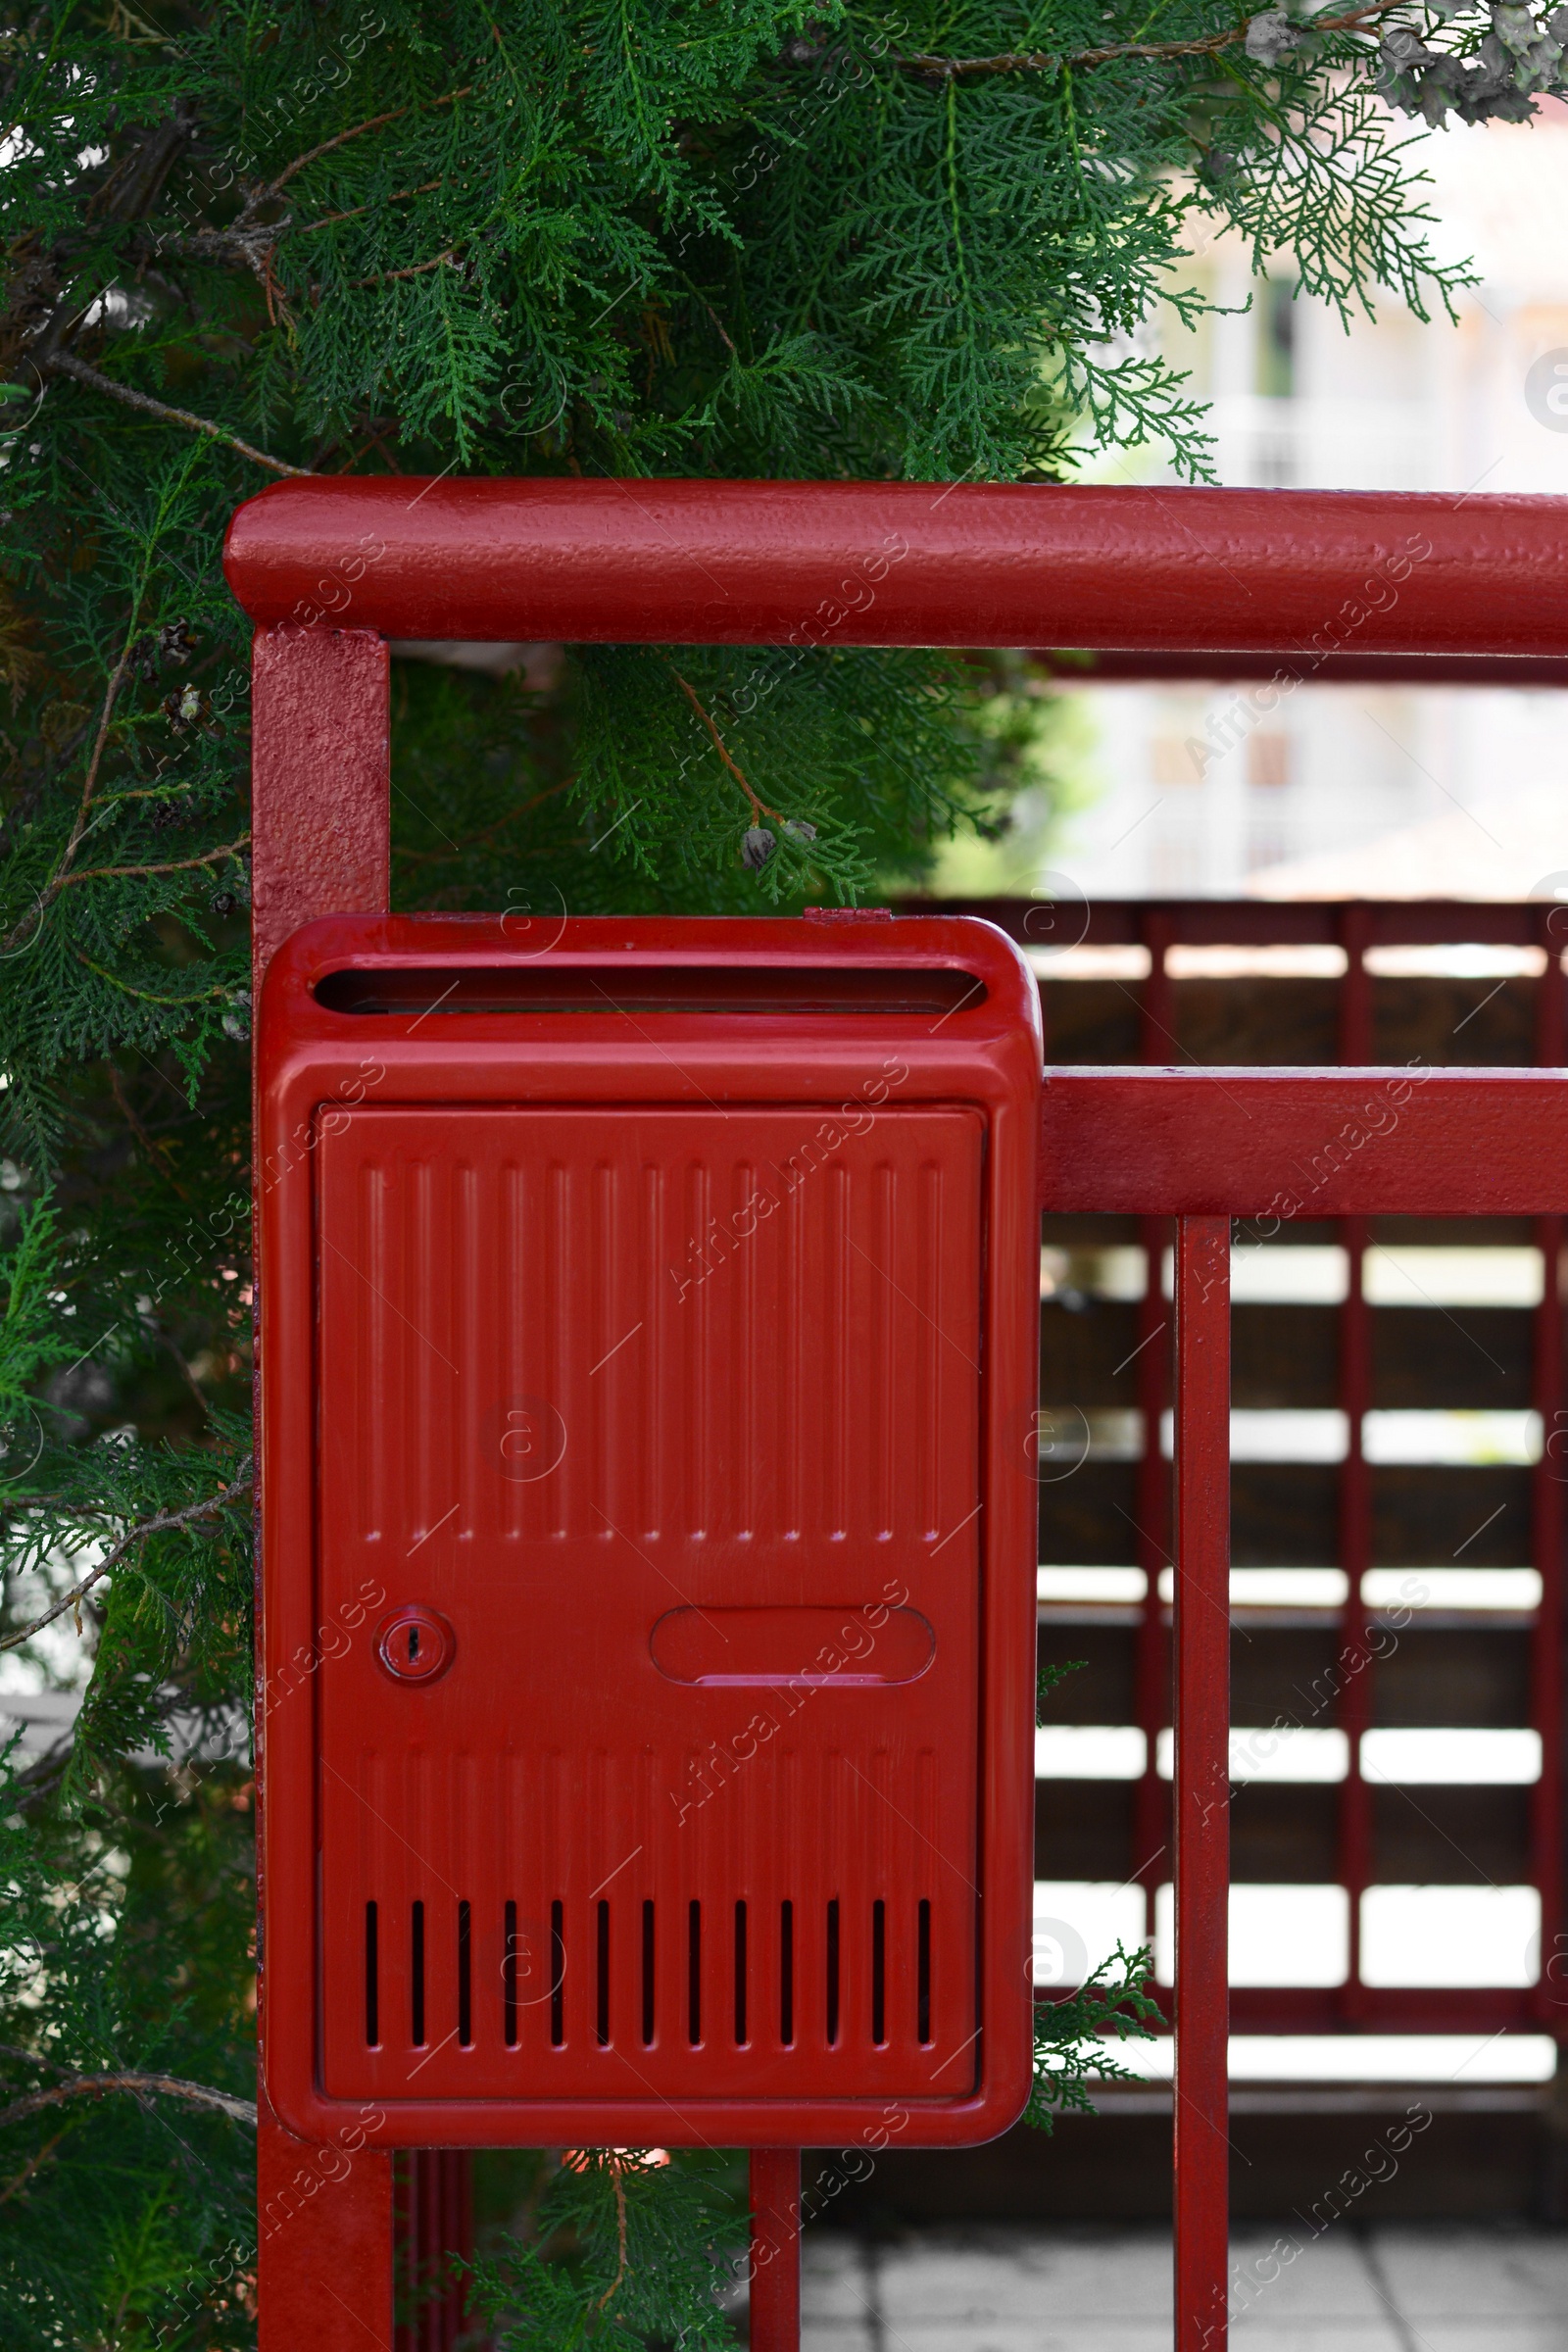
[650,237]
[1073,2037]
[1050,1678]
[122,1951]
[625,2249]
[32,1338]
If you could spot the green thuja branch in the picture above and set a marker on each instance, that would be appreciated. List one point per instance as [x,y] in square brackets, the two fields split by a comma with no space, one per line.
[625,2249]
[32,1336]
[1073,2037]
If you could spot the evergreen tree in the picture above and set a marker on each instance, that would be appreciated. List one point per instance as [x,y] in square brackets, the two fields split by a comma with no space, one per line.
[654,236]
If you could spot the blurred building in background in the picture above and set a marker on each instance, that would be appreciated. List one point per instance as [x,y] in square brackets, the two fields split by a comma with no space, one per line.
[1342,791]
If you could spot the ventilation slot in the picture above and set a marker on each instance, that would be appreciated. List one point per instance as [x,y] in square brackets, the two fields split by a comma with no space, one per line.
[464,1976]
[602,1989]
[740,1973]
[416,1973]
[694,1974]
[648,1975]
[557,1975]
[922,1978]
[833,1973]
[879,1972]
[372,1977]
[786,1974]
[508,1981]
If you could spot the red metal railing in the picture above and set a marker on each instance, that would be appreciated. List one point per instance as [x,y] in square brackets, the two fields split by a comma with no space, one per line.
[1480,1180]
[328,570]
[1202,1795]
[1181,1144]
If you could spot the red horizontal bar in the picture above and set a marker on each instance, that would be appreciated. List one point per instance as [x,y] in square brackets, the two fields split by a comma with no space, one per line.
[1297,1143]
[1303,572]
[1385,2009]
[1068,922]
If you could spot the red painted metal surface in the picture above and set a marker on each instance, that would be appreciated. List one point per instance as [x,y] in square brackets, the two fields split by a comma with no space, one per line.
[1202,1806]
[324,2239]
[907,563]
[1282,1144]
[774,2318]
[665,1305]
[321,828]
[433,2221]
[321,781]
[1067,921]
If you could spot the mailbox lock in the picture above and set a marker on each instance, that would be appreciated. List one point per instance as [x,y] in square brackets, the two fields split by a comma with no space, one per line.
[415,1645]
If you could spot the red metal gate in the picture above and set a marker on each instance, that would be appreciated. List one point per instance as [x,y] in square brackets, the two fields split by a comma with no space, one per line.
[1535,1032]
[1270,1143]
[331,571]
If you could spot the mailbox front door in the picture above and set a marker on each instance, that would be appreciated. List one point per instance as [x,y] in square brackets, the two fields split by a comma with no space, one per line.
[650,1439]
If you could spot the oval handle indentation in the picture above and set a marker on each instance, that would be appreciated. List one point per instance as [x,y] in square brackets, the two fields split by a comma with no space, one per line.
[862,1645]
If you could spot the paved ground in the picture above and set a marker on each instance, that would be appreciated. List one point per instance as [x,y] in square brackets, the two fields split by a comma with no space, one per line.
[1437,2289]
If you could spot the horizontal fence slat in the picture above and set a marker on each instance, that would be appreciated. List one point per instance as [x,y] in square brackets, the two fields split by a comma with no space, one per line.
[1304,1144]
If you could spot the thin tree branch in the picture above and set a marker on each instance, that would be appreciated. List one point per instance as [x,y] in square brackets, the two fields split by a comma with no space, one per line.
[178,865]
[39,2157]
[1047,61]
[383,278]
[613,2288]
[155,1152]
[308,228]
[64,362]
[97,2087]
[57,880]
[266,194]
[155,1525]
[759,808]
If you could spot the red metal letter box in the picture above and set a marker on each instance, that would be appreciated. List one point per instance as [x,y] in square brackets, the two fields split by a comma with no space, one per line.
[649,1357]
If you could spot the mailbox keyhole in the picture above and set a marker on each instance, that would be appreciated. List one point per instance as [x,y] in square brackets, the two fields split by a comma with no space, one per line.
[415,1645]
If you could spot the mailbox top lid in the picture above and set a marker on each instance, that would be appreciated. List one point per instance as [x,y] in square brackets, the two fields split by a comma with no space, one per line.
[540,975]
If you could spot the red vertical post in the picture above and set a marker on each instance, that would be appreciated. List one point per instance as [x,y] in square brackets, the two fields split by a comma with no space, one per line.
[1151,1863]
[775,2289]
[1546,1513]
[1354,1491]
[320,824]
[432,2211]
[1202,1806]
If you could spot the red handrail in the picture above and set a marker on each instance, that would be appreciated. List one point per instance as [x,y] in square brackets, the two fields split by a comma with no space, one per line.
[1309,572]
